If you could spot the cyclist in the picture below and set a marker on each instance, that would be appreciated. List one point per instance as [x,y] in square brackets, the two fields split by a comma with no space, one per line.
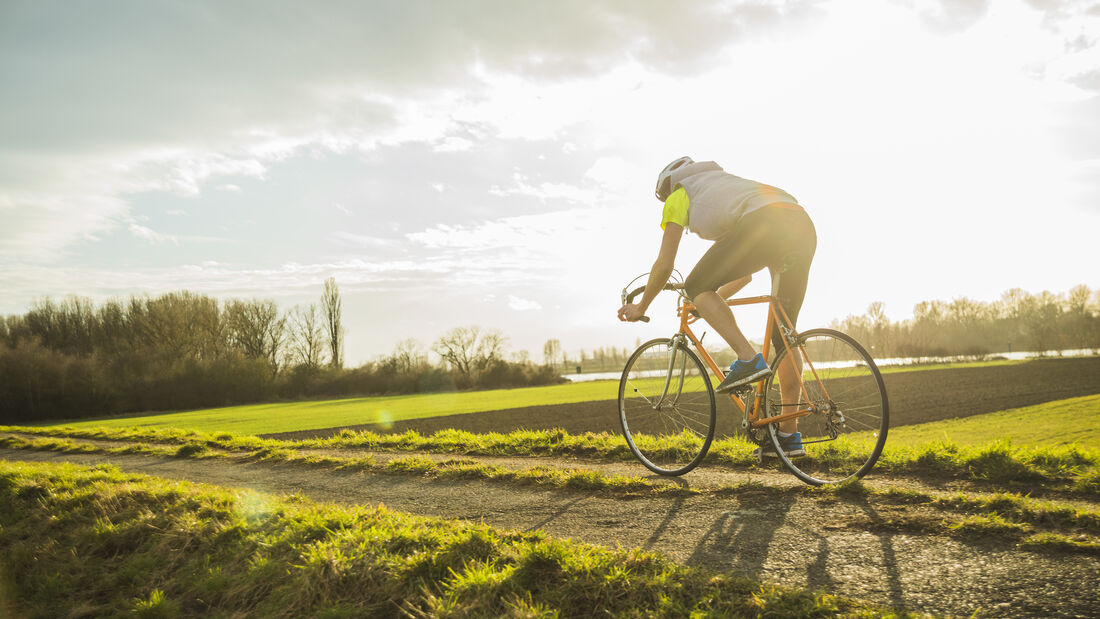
[753,226]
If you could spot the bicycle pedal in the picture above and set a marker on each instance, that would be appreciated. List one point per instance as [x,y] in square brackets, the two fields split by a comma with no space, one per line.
[758,453]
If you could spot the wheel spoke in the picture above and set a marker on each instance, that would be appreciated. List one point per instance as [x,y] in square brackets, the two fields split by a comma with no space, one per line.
[848,382]
[668,420]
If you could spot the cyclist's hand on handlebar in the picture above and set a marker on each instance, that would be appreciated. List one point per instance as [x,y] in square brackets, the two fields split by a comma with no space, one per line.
[631,312]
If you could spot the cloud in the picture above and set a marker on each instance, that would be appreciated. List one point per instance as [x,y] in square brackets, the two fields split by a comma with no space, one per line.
[522,305]
[950,16]
[144,71]
[152,236]
[24,282]
[521,186]
[39,226]
[563,254]
[165,97]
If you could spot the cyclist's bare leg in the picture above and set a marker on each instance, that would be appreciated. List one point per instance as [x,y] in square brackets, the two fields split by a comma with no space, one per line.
[729,289]
[712,307]
[790,388]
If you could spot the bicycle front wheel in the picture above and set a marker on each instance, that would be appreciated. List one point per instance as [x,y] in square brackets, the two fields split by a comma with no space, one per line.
[666,407]
[844,435]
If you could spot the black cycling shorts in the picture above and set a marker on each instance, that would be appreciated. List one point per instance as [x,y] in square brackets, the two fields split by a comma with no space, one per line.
[773,237]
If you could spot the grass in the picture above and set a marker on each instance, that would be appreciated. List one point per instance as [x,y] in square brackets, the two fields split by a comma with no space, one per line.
[910,367]
[996,518]
[1008,517]
[271,451]
[1075,421]
[294,416]
[1047,461]
[1069,470]
[151,547]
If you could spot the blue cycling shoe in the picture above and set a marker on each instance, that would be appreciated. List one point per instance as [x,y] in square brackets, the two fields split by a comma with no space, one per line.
[792,445]
[743,373]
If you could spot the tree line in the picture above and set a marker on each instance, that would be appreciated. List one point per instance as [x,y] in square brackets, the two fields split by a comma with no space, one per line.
[603,359]
[72,358]
[1018,321]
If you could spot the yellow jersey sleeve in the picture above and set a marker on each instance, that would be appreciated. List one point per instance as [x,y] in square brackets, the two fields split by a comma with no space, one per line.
[676,209]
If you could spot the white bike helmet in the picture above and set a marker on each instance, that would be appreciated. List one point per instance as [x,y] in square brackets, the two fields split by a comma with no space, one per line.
[664,179]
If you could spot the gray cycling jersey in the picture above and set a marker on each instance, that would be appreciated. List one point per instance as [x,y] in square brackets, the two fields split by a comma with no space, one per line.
[717,200]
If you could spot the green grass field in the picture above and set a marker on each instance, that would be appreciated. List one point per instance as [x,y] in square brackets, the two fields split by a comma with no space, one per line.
[1051,444]
[292,416]
[1075,421]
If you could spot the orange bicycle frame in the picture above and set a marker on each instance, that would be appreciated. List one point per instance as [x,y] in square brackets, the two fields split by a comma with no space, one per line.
[687,316]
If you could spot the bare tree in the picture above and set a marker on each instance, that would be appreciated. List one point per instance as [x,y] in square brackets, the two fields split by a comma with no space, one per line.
[467,350]
[256,329]
[490,348]
[408,356]
[456,347]
[551,351]
[334,328]
[1079,318]
[306,345]
[179,324]
[879,327]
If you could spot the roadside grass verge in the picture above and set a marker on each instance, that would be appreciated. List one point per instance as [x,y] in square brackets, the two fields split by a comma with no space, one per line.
[156,548]
[1068,469]
[999,517]
[543,476]
[1007,517]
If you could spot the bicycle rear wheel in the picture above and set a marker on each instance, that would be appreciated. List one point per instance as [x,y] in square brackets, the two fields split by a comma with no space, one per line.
[844,436]
[666,407]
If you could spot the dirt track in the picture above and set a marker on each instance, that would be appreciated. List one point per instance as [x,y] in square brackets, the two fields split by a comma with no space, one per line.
[915,397]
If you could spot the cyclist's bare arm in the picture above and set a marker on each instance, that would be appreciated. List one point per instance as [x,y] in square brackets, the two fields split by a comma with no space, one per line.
[728,290]
[658,275]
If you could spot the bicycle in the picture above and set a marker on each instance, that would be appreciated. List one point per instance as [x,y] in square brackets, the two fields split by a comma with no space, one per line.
[667,406]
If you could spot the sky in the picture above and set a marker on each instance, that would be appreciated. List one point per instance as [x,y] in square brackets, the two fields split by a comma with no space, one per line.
[492,163]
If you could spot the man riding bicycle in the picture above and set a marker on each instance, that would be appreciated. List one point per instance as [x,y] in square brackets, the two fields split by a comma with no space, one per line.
[753,226]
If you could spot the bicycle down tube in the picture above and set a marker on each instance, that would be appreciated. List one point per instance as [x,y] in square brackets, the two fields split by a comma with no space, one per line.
[773,322]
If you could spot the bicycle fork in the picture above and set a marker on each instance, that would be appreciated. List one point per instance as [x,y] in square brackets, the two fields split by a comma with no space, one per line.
[674,345]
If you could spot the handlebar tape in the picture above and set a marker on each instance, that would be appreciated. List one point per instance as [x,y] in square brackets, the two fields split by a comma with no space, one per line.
[639,290]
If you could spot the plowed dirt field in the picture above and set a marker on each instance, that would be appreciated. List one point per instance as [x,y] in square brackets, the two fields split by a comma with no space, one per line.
[915,397]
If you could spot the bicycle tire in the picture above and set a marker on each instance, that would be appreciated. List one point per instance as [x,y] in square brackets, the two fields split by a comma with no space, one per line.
[668,428]
[854,403]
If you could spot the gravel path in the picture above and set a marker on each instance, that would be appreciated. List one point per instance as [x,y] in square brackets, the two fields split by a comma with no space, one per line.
[860,548]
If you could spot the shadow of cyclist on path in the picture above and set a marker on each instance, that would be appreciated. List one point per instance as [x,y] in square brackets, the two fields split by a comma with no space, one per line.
[890,570]
[739,539]
[670,516]
[565,507]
